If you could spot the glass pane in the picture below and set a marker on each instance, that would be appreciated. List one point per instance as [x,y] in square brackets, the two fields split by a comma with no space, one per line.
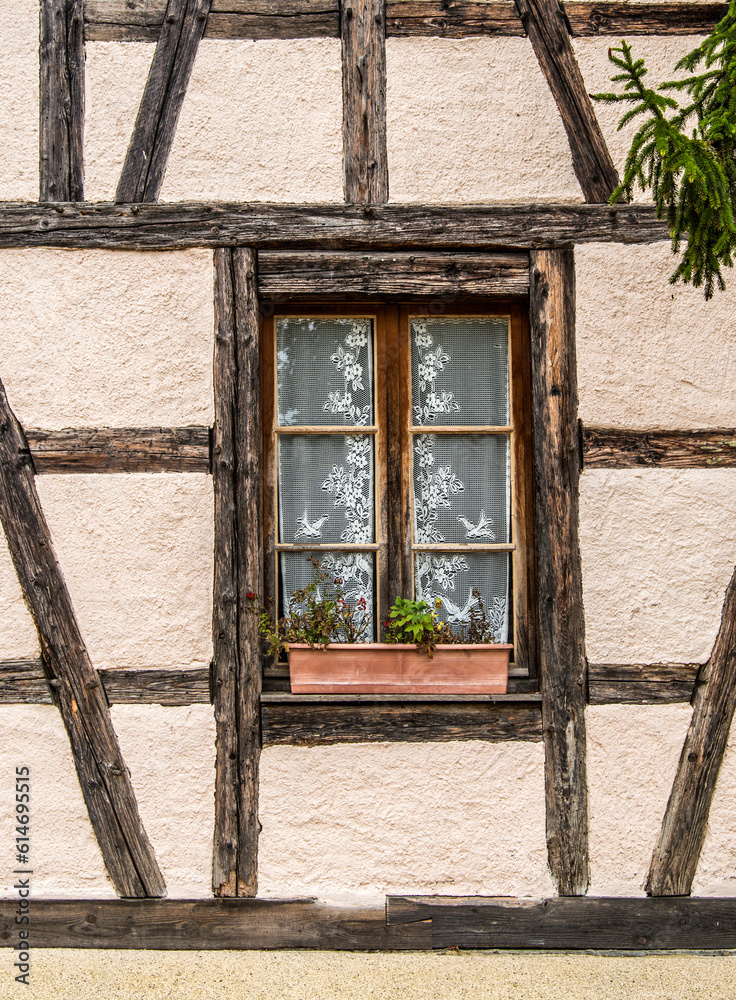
[326,488]
[460,371]
[461,582]
[324,372]
[462,488]
[354,570]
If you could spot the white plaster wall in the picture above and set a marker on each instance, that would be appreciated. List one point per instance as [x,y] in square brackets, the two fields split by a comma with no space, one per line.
[18,639]
[115,75]
[658,548]
[359,821]
[632,756]
[651,354]
[660,53]
[136,553]
[170,755]
[473,120]
[107,338]
[19,100]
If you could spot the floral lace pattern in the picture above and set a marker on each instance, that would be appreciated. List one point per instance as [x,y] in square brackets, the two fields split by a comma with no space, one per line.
[435,490]
[431,362]
[351,488]
[437,573]
[347,360]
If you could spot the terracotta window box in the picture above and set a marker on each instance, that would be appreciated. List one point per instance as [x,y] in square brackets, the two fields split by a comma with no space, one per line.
[383,668]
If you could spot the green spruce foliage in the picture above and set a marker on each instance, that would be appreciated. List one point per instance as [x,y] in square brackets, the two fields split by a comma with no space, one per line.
[685,150]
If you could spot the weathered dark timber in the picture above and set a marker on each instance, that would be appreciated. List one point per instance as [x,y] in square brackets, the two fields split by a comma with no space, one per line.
[365,157]
[561,639]
[23,681]
[121,449]
[155,126]
[103,776]
[638,924]
[325,227]
[156,685]
[212,924]
[237,661]
[282,274]
[61,100]
[611,448]
[547,29]
[140,20]
[641,683]
[685,822]
[314,723]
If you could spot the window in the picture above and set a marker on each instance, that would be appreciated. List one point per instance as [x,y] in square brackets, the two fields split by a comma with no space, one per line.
[397,451]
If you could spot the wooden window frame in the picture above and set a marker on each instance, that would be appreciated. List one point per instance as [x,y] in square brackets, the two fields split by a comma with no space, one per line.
[392,433]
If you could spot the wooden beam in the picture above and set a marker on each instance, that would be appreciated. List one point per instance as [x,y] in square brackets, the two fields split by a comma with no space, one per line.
[312,723]
[120,449]
[237,660]
[285,273]
[546,26]
[103,776]
[641,683]
[685,822]
[155,126]
[559,578]
[613,448]
[365,157]
[141,20]
[61,100]
[637,924]
[179,226]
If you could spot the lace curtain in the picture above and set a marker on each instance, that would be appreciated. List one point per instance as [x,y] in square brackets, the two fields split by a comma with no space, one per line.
[327,481]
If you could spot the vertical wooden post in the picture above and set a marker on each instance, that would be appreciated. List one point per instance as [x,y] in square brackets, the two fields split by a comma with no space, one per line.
[559,580]
[238,572]
[685,823]
[74,683]
[61,100]
[365,159]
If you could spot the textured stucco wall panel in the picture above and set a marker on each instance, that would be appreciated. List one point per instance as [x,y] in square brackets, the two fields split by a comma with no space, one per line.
[658,549]
[66,858]
[716,874]
[473,120]
[171,756]
[361,821]
[136,553]
[107,338]
[651,354]
[261,121]
[660,53]
[633,751]
[19,101]
[18,639]
[115,75]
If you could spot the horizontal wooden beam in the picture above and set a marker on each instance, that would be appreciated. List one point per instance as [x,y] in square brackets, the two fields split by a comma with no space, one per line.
[574,923]
[121,449]
[320,723]
[211,924]
[403,274]
[611,448]
[641,683]
[140,20]
[416,923]
[180,225]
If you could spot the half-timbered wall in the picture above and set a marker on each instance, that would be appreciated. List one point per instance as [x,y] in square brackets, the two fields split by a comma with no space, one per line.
[124,338]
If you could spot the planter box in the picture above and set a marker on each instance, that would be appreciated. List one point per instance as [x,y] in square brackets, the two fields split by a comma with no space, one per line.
[383,668]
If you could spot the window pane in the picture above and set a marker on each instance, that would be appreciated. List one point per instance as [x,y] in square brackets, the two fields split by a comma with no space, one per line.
[461,581]
[462,488]
[326,488]
[324,372]
[460,371]
[354,570]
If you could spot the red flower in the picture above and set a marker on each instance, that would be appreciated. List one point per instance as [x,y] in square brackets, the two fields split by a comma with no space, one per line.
[250,595]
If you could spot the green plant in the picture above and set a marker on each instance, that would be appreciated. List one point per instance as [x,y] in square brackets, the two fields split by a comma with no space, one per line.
[318,614]
[686,153]
[414,621]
